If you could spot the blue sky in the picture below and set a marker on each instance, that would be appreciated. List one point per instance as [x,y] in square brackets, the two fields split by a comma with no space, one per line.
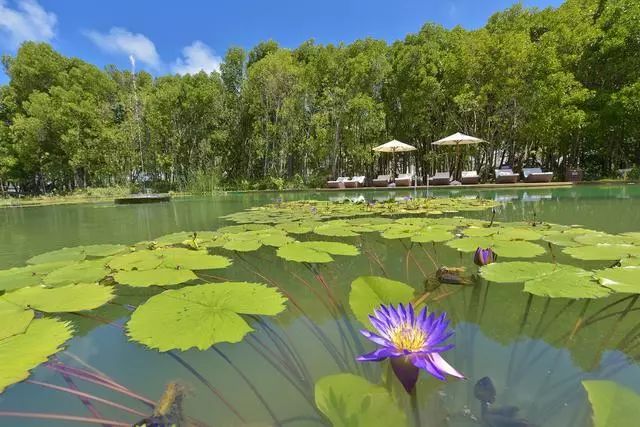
[189,35]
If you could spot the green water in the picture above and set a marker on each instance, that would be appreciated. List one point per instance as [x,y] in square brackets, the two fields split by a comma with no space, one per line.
[536,350]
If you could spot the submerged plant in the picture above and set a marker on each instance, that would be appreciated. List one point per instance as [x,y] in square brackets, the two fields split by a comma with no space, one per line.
[484,256]
[411,342]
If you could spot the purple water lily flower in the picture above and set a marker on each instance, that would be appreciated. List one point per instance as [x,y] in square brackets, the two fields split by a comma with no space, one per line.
[411,342]
[484,256]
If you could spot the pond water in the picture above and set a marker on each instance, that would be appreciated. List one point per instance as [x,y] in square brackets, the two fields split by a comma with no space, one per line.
[536,350]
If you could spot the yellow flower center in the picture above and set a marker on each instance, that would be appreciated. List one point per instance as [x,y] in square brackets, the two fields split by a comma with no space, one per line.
[405,337]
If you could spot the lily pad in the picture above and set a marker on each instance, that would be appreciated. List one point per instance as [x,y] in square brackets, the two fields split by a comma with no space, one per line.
[82,272]
[22,352]
[505,249]
[192,260]
[370,292]
[604,252]
[64,254]
[13,319]
[101,251]
[620,279]
[139,260]
[517,271]
[429,234]
[613,405]
[201,316]
[566,282]
[300,253]
[242,245]
[79,297]
[157,277]
[333,248]
[348,400]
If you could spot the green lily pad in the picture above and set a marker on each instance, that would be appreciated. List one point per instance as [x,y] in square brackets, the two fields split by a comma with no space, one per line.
[332,248]
[29,275]
[625,262]
[23,352]
[60,255]
[138,260]
[348,400]
[566,282]
[101,251]
[603,252]
[276,240]
[78,297]
[82,272]
[429,234]
[192,260]
[505,249]
[156,277]
[613,405]
[300,253]
[201,316]
[370,292]
[242,245]
[597,238]
[13,319]
[620,279]
[517,271]
[335,230]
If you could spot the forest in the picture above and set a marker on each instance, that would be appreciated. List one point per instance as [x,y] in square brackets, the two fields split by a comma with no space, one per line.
[561,86]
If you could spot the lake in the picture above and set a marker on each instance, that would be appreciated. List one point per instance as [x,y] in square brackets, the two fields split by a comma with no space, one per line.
[536,350]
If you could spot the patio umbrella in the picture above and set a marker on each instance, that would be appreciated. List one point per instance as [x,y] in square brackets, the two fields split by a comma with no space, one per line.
[458,139]
[393,147]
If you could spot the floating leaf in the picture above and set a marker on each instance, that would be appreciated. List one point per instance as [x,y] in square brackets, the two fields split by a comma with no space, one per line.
[613,405]
[517,271]
[156,277]
[335,230]
[603,252]
[370,292]
[566,282]
[79,297]
[300,253]
[625,262]
[139,260]
[23,352]
[201,316]
[431,234]
[332,248]
[61,255]
[192,260]
[242,245]
[506,249]
[101,251]
[348,400]
[82,272]
[13,319]
[620,279]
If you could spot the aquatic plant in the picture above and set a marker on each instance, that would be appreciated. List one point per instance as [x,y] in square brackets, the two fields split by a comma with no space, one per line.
[411,341]
[484,256]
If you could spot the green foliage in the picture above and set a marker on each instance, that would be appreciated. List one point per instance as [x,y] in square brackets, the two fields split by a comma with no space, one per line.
[612,404]
[201,316]
[370,292]
[348,400]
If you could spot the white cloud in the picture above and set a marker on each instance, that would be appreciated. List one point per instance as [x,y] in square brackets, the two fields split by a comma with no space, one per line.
[121,41]
[27,21]
[196,57]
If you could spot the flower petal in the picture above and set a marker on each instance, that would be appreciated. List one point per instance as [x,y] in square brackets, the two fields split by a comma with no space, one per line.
[378,355]
[444,366]
[421,360]
[375,338]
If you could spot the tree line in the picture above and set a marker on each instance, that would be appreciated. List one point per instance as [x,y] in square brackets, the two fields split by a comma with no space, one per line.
[556,86]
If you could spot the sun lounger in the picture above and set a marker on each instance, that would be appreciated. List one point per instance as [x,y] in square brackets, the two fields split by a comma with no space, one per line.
[382,181]
[440,178]
[536,175]
[506,176]
[404,180]
[338,183]
[470,177]
[355,182]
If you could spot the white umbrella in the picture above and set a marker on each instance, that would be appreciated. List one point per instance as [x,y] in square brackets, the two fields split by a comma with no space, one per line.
[394,147]
[458,139]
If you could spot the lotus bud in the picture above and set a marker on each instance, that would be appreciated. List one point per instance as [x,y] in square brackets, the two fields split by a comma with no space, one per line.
[484,256]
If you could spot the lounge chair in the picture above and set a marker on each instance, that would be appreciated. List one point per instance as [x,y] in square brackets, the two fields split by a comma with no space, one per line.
[355,182]
[338,183]
[470,177]
[382,181]
[404,180]
[536,175]
[506,176]
[440,178]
